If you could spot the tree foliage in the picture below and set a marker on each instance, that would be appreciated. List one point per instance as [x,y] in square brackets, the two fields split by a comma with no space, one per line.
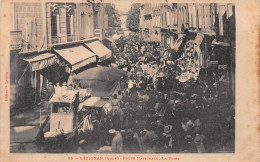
[113,16]
[133,17]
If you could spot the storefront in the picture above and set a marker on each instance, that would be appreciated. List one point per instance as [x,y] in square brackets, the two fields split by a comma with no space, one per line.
[152,40]
[164,37]
[35,75]
[220,60]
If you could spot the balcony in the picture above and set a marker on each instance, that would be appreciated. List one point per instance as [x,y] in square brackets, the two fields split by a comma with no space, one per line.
[55,39]
[97,32]
[70,38]
[15,40]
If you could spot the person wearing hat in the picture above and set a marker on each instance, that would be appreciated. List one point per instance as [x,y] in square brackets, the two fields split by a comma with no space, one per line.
[130,144]
[117,142]
[198,140]
[64,86]
[57,88]
[189,145]
[149,139]
[70,79]
[168,138]
[51,90]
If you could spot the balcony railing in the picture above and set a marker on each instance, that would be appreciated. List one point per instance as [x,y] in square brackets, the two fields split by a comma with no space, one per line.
[15,40]
[70,38]
[55,39]
[97,32]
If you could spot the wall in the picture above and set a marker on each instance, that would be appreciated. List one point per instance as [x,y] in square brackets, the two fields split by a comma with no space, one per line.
[86,30]
[27,17]
[61,11]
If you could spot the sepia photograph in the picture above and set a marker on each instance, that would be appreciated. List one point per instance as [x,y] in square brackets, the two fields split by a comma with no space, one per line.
[122,77]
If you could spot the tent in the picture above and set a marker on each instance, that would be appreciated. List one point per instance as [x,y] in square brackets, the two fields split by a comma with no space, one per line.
[103,80]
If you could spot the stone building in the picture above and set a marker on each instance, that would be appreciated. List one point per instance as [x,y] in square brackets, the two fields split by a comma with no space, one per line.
[157,23]
[39,26]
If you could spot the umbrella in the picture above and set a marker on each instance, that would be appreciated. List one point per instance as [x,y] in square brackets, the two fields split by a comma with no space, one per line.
[103,80]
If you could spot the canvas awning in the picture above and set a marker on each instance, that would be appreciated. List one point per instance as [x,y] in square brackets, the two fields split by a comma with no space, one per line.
[38,62]
[100,50]
[77,56]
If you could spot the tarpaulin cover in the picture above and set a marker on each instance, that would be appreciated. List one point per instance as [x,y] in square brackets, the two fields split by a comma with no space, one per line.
[102,80]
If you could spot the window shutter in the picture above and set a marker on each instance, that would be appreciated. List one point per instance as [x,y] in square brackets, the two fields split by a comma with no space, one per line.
[58,25]
[72,25]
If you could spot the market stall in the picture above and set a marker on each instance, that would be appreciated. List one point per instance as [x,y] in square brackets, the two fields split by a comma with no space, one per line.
[63,113]
[103,80]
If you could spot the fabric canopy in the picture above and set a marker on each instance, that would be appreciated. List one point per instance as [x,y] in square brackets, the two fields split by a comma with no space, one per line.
[100,50]
[38,62]
[103,80]
[77,57]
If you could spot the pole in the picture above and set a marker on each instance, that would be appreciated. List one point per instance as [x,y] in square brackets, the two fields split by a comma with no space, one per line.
[40,117]
[35,78]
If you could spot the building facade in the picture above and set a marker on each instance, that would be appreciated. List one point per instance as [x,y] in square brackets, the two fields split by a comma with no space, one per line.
[210,24]
[39,26]
[163,20]
[157,23]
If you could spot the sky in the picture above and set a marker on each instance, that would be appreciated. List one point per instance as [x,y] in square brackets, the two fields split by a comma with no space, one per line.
[123,6]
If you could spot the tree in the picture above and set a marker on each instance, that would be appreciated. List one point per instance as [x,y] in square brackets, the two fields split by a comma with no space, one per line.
[113,16]
[133,17]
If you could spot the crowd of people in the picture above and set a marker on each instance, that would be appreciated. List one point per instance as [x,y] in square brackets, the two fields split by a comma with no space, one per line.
[155,112]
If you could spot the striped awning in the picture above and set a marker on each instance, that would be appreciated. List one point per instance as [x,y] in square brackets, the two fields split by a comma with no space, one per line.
[38,62]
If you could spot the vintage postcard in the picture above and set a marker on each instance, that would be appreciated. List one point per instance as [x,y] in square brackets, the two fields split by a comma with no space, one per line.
[123,80]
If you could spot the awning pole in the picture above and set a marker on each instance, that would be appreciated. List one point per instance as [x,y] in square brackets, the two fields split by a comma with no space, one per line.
[35,78]
[40,117]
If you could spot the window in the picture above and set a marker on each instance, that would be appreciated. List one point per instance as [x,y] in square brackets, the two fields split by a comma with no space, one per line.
[68,25]
[96,26]
[55,28]
[82,27]
[70,29]
[54,25]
